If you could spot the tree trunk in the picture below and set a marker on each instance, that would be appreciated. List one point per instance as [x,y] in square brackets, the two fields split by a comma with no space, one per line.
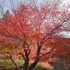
[33,65]
[25,66]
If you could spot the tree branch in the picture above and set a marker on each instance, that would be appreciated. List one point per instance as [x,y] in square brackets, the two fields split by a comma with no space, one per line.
[47,52]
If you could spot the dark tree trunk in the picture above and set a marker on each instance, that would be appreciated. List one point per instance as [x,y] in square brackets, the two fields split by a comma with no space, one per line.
[36,61]
[33,65]
[25,66]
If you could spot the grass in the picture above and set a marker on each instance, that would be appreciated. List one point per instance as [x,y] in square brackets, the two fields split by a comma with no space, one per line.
[50,68]
[8,64]
[20,63]
[39,67]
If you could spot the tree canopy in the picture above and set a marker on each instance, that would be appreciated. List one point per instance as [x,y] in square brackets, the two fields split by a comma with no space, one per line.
[31,30]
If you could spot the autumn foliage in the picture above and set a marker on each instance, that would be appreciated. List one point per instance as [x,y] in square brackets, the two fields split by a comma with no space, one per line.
[33,33]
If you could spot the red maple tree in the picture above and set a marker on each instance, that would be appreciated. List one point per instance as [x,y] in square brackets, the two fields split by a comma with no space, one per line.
[31,27]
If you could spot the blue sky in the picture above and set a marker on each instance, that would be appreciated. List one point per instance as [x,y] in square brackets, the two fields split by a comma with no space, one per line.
[7,4]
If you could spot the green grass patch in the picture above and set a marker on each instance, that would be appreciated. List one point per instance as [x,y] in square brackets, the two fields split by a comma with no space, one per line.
[50,68]
[7,63]
[20,62]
